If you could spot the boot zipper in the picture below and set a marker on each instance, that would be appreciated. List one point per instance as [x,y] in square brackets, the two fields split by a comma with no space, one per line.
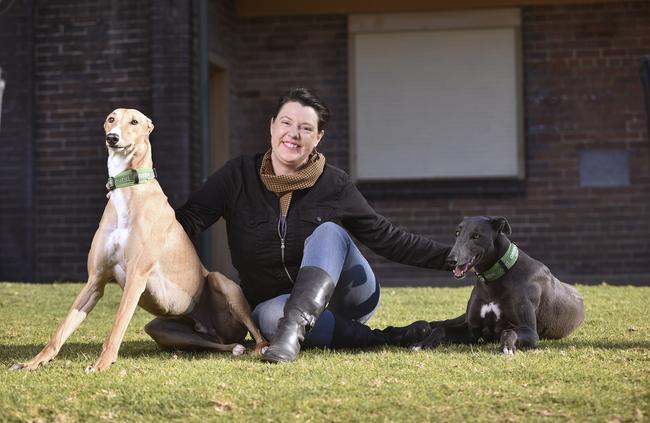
[282,233]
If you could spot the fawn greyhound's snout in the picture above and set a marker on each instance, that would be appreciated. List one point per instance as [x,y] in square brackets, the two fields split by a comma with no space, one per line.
[112,139]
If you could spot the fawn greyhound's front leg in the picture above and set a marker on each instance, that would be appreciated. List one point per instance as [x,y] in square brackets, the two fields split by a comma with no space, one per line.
[141,253]
[82,305]
[86,300]
[133,289]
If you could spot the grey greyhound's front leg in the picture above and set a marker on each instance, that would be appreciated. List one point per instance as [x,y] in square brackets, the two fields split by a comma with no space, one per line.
[453,331]
[523,334]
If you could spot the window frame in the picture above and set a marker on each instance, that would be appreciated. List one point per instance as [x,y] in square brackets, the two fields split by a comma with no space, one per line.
[437,21]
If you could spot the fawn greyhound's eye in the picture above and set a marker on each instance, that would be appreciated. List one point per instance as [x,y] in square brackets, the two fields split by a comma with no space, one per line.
[134,122]
[111,119]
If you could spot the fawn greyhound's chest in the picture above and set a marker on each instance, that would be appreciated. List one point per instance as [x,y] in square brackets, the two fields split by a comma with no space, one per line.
[161,296]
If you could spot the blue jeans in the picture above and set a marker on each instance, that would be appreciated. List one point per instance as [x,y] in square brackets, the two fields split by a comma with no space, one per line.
[356,296]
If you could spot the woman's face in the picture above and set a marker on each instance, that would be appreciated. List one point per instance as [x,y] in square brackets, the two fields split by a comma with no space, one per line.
[294,135]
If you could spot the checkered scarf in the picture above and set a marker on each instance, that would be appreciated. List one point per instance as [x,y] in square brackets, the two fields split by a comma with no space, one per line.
[284,185]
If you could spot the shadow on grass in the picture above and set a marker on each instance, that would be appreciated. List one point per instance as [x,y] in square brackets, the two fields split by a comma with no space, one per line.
[71,349]
[600,344]
[11,354]
[555,345]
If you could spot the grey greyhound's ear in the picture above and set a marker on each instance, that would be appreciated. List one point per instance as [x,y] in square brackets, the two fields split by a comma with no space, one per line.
[500,225]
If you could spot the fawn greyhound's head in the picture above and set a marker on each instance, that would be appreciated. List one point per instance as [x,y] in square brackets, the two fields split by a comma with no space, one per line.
[478,240]
[127,140]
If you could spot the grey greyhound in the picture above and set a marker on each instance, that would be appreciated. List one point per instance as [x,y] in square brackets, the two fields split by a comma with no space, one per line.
[516,300]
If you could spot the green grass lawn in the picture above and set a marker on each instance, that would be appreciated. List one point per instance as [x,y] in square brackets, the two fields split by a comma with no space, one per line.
[600,373]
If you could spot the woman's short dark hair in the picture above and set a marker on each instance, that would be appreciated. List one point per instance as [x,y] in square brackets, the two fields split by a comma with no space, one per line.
[306,98]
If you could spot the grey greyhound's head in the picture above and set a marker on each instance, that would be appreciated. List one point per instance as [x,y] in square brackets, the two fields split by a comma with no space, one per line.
[476,240]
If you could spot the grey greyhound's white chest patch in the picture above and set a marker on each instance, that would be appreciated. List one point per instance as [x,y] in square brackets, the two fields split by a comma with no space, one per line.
[491,308]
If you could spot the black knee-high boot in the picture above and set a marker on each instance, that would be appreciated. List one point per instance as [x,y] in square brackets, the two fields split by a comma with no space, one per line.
[311,293]
[352,334]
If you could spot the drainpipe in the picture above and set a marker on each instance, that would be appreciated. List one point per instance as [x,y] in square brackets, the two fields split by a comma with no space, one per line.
[2,90]
[205,247]
[645,78]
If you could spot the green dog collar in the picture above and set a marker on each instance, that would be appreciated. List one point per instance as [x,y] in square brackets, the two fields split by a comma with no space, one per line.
[502,266]
[130,177]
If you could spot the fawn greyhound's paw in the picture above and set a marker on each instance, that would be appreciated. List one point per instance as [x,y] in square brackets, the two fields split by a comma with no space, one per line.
[100,365]
[95,368]
[19,366]
[30,365]
[238,349]
[45,356]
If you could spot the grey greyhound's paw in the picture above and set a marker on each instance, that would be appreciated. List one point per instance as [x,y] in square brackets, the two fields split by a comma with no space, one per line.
[407,336]
[509,342]
[238,349]
[433,340]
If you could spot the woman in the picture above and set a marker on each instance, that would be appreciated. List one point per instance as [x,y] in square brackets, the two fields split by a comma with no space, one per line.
[289,220]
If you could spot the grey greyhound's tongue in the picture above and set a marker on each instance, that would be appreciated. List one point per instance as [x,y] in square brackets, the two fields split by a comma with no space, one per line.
[459,271]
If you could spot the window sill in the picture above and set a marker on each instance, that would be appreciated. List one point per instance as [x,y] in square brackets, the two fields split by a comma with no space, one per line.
[428,188]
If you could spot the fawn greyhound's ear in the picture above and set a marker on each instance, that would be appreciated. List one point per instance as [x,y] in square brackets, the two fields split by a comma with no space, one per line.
[149,126]
[500,225]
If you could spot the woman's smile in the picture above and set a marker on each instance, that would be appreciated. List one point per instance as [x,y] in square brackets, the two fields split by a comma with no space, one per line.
[291,145]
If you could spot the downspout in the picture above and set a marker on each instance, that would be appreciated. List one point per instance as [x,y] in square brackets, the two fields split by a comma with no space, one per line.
[2,89]
[205,250]
[645,79]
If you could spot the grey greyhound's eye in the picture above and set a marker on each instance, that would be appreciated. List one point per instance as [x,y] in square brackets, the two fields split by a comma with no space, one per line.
[457,234]
[134,122]
[476,236]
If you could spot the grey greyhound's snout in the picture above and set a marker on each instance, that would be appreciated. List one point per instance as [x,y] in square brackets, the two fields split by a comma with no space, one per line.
[112,139]
[460,267]
[452,260]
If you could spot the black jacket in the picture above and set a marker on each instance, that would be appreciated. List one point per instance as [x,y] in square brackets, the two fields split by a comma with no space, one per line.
[236,193]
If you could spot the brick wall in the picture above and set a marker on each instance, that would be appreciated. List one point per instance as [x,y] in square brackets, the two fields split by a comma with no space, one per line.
[272,60]
[89,58]
[174,72]
[582,91]
[16,145]
[67,64]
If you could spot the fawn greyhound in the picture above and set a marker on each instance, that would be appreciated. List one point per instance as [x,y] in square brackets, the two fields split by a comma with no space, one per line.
[516,299]
[141,246]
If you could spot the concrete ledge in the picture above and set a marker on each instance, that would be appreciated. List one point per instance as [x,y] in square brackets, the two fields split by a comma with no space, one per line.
[586,279]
